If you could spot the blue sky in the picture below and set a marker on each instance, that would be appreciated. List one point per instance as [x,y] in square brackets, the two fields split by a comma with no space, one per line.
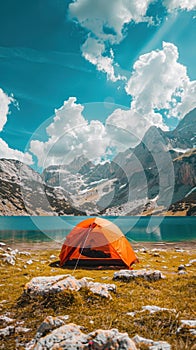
[106,55]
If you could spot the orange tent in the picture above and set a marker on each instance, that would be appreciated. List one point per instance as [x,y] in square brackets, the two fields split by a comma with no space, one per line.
[94,242]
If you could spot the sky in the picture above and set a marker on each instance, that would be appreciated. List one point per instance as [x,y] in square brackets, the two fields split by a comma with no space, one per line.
[89,77]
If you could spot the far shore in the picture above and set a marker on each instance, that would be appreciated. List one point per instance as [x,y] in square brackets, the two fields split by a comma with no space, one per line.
[36,246]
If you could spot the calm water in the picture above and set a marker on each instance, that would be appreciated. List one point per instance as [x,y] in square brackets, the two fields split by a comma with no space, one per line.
[146,229]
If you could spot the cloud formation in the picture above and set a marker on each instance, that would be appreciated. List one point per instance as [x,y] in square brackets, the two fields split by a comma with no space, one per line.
[10,153]
[173,5]
[160,82]
[106,22]
[5,150]
[105,25]
[70,135]
[5,101]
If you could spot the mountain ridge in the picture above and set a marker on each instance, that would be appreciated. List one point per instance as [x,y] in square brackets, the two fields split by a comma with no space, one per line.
[128,185]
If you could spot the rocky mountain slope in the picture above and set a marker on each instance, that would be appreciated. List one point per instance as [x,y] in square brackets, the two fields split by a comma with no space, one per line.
[23,192]
[159,172]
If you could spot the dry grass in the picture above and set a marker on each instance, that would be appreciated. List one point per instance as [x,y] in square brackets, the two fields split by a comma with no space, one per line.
[92,312]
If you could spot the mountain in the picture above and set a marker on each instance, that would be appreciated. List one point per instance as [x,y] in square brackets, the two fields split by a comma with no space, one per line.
[92,188]
[159,172]
[158,160]
[23,192]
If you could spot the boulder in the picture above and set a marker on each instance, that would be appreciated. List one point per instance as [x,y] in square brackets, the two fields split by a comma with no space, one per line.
[148,275]
[71,337]
[49,324]
[55,284]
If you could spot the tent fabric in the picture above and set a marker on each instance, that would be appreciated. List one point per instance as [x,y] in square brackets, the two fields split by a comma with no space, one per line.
[97,240]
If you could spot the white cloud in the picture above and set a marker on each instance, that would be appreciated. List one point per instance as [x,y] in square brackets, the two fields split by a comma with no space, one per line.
[160,82]
[188,101]
[126,128]
[105,23]
[173,5]
[106,19]
[92,51]
[9,153]
[70,135]
[4,108]
[5,150]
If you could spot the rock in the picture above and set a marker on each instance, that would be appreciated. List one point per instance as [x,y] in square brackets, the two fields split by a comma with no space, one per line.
[153,345]
[22,330]
[9,259]
[102,289]
[55,284]
[156,254]
[5,319]
[2,244]
[182,272]
[29,262]
[52,256]
[153,308]
[70,337]
[193,261]
[181,267]
[25,253]
[7,331]
[188,324]
[50,323]
[148,275]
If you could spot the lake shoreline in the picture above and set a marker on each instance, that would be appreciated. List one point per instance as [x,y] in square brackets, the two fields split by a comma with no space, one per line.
[167,246]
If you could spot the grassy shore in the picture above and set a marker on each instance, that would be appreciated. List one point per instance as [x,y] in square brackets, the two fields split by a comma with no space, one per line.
[93,312]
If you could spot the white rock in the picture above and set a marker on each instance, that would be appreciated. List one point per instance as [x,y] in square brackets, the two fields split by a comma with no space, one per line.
[148,275]
[7,331]
[182,272]
[43,285]
[22,329]
[25,253]
[2,244]
[153,345]
[52,256]
[190,324]
[14,252]
[153,308]
[6,319]
[71,337]
[29,262]
[9,259]
[193,261]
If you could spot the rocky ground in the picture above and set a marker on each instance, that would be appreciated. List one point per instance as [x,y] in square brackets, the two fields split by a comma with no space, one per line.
[150,307]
